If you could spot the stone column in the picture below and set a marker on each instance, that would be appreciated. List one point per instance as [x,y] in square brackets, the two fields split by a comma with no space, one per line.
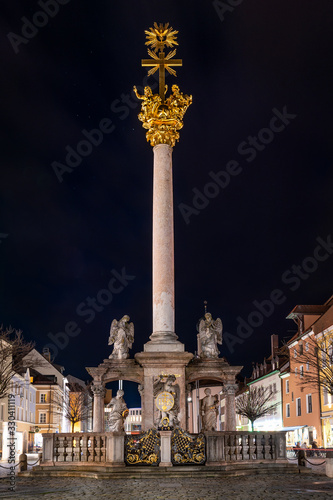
[98,390]
[229,390]
[163,337]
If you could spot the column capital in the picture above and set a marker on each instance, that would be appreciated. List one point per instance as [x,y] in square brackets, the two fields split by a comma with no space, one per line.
[229,388]
[98,389]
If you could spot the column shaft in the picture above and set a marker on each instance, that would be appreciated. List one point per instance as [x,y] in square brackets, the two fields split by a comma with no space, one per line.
[163,242]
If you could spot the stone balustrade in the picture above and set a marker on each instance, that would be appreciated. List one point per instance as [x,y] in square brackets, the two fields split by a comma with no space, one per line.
[94,447]
[108,448]
[237,446]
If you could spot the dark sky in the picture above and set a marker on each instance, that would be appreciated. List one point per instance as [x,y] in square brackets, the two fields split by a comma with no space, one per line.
[261,78]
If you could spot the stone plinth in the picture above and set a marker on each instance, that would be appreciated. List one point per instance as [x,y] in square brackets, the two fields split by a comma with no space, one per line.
[155,364]
[115,448]
[165,449]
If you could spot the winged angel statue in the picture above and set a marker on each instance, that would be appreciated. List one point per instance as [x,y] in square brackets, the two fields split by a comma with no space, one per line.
[122,337]
[210,334]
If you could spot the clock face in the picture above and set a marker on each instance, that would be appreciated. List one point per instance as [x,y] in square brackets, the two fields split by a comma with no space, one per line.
[164,401]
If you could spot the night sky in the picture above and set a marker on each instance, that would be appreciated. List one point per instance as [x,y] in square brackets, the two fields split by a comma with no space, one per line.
[76,214]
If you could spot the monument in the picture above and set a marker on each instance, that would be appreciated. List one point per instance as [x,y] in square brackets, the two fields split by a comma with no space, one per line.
[164,369]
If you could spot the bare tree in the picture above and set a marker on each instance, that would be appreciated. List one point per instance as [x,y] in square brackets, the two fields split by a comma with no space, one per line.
[74,405]
[315,363]
[255,403]
[13,348]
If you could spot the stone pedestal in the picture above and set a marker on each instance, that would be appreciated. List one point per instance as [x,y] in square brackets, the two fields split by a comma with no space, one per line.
[165,449]
[329,464]
[115,448]
[161,363]
[163,338]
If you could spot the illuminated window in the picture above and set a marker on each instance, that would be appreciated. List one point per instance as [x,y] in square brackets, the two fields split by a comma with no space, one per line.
[42,418]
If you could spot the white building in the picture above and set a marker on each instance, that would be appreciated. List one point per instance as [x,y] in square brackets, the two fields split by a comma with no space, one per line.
[133,422]
[22,397]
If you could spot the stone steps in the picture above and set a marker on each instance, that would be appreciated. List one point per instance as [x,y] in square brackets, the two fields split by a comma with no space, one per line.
[138,472]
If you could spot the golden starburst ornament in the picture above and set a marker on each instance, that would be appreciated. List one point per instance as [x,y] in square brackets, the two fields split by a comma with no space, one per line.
[161,36]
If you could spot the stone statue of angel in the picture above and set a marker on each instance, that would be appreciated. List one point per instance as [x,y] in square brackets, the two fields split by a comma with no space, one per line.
[210,334]
[122,337]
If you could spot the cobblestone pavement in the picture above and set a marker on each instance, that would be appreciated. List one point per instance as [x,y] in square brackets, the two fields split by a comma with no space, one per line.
[251,487]
[273,486]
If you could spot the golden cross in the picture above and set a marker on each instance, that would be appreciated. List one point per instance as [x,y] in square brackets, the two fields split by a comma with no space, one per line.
[162,63]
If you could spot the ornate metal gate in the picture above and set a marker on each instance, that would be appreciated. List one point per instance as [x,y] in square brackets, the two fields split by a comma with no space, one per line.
[187,449]
[143,449]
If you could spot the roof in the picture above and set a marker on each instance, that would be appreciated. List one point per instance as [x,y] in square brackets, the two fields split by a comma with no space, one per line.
[300,310]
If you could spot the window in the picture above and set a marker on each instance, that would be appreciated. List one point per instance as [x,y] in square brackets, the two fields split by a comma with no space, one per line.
[309,403]
[42,418]
[301,349]
[307,366]
[287,410]
[295,371]
[330,355]
[295,353]
[292,396]
[325,396]
[301,371]
[1,412]
[43,398]
[287,386]
[274,388]
[298,407]
[307,346]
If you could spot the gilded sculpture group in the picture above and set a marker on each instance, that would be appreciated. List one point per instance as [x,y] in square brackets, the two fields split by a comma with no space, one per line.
[163,118]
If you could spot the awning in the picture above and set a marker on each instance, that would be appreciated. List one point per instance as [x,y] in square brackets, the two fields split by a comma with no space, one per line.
[287,429]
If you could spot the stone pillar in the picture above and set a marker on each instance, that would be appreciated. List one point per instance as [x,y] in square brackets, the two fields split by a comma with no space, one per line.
[163,337]
[165,449]
[229,390]
[98,412]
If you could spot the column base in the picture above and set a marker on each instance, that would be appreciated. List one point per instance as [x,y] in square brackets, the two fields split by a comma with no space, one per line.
[163,342]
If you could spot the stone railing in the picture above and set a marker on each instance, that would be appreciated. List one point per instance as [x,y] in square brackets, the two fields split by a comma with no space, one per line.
[108,448]
[94,447]
[222,447]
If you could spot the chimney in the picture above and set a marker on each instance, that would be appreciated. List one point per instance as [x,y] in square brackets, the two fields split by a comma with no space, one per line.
[47,354]
[274,345]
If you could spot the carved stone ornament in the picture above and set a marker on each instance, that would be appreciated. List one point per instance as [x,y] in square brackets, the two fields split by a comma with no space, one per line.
[122,337]
[210,334]
[166,394]
[230,388]
[98,390]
